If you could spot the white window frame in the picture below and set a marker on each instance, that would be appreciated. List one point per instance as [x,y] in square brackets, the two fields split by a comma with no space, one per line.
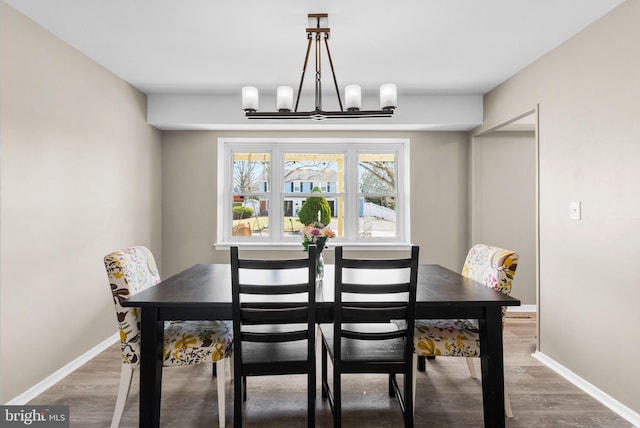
[276,147]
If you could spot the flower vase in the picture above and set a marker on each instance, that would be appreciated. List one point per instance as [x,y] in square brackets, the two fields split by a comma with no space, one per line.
[319,267]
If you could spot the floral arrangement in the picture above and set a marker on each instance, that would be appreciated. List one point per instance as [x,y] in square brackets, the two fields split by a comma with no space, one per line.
[317,234]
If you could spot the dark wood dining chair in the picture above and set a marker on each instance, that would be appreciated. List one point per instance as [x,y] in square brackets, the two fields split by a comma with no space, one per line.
[374,312]
[274,323]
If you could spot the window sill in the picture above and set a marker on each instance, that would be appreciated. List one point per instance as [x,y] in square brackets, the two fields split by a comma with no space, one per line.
[293,246]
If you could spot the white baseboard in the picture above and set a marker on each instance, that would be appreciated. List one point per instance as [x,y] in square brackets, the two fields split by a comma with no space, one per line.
[57,376]
[522,308]
[613,404]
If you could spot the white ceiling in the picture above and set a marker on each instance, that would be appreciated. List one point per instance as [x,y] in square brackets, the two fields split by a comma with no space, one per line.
[208,47]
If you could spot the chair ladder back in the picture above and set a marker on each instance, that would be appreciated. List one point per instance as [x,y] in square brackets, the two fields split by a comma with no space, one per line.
[272,264]
[346,312]
[273,289]
[255,315]
[273,312]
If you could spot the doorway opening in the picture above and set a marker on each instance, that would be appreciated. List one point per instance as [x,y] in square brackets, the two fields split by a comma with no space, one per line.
[504,198]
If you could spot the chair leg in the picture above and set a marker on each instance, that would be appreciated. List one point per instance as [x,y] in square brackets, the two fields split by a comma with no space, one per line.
[126,374]
[392,391]
[408,395]
[220,379]
[237,394]
[324,382]
[311,398]
[318,340]
[413,387]
[507,403]
[472,367]
[337,399]
[421,363]
[244,388]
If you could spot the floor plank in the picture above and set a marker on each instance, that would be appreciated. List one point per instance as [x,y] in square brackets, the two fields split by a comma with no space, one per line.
[446,396]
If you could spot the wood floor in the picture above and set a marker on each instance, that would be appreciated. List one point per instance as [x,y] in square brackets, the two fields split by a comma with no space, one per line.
[446,396]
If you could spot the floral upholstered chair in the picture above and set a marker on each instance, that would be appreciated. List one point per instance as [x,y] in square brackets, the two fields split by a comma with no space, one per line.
[132,270]
[491,266]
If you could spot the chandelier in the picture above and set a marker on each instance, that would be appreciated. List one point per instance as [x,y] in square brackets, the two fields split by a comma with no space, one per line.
[318,23]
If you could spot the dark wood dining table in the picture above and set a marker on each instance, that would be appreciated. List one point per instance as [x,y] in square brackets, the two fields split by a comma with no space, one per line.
[203,292]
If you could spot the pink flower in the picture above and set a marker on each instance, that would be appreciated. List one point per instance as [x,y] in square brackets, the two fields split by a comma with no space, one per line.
[316,234]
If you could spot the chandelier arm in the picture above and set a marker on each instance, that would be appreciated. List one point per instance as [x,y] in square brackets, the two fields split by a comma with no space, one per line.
[318,74]
[304,70]
[333,72]
[320,115]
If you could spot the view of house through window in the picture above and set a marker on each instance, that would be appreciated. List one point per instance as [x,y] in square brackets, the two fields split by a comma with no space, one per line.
[250,193]
[304,172]
[268,182]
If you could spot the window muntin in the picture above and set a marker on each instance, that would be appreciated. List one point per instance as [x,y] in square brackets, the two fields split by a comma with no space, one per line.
[364,181]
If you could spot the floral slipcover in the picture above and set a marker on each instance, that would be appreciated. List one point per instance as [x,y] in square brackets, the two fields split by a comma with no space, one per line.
[134,269]
[491,266]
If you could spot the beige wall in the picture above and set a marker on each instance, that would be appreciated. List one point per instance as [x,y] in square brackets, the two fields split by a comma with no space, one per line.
[80,177]
[439,164]
[589,135]
[503,201]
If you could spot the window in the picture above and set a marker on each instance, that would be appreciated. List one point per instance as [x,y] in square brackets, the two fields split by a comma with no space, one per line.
[262,184]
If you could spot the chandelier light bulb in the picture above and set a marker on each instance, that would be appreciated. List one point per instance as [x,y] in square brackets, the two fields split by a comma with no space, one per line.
[388,96]
[250,98]
[285,98]
[353,97]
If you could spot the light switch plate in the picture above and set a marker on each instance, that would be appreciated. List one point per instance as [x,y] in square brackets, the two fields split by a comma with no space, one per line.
[575,212]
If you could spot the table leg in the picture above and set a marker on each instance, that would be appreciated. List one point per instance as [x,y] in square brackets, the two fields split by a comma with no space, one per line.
[492,365]
[152,332]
